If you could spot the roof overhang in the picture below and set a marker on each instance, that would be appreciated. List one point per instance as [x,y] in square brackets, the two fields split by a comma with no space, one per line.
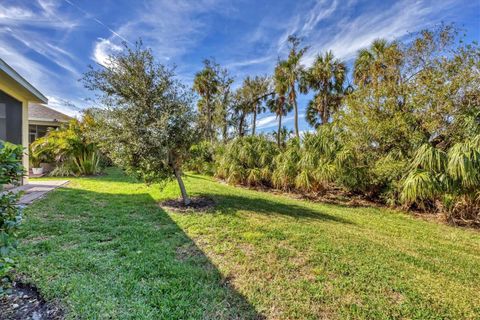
[29,90]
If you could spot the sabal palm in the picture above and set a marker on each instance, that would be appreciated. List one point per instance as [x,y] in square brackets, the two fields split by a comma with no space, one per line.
[326,77]
[255,91]
[292,71]
[278,104]
[206,84]
[378,62]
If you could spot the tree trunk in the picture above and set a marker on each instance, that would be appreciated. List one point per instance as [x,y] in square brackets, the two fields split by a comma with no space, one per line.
[178,175]
[254,124]
[240,126]
[225,130]
[295,106]
[209,121]
[279,128]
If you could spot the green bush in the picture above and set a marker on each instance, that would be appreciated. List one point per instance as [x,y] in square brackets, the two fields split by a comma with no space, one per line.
[201,158]
[71,148]
[247,160]
[11,172]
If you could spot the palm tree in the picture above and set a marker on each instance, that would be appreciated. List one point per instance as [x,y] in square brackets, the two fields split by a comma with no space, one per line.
[378,62]
[278,103]
[326,76]
[258,89]
[292,72]
[282,135]
[206,84]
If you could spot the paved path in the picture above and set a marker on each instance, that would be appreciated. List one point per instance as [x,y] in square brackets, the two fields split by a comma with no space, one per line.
[37,189]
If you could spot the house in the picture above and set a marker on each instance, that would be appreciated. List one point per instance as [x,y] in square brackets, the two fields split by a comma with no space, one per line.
[16,94]
[42,118]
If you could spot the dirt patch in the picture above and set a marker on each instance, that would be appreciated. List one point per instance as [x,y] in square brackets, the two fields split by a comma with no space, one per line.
[197,204]
[24,302]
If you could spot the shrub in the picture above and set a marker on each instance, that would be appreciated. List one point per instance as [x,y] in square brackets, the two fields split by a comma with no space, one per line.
[447,181]
[71,148]
[201,158]
[247,160]
[11,172]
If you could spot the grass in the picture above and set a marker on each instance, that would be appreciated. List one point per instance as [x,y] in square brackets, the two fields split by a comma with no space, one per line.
[104,249]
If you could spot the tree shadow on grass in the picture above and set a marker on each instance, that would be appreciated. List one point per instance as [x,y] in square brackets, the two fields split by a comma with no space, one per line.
[230,204]
[121,256]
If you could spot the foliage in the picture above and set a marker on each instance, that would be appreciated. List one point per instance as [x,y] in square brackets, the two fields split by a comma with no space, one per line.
[148,124]
[11,172]
[207,85]
[71,147]
[326,77]
[201,158]
[247,160]
[288,75]
[451,178]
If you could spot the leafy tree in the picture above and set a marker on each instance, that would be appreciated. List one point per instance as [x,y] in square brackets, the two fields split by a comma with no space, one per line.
[148,124]
[207,85]
[326,77]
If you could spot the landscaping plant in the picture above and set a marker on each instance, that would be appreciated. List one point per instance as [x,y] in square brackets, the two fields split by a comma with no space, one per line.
[148,124]
[11,173]
[71,148]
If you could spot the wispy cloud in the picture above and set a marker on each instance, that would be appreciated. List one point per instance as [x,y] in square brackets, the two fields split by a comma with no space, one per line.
[103,49]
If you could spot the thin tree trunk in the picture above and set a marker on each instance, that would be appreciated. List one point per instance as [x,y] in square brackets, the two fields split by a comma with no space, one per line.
[225,131]
[209,124]
[254,121]
[240,126]
[297,133]
[279,128]
[178,175]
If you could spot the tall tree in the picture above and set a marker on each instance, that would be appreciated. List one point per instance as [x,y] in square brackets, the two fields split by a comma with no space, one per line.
[256,90]
[147,127]
[223,102]
[278,104]
[326,77]
[206,84]
[380,62]
[292,73]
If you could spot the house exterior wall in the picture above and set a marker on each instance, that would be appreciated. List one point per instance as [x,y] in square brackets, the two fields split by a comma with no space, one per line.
[9,88]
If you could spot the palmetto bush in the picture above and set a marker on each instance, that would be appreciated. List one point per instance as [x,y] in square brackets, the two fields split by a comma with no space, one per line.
[247,160]
[447,181]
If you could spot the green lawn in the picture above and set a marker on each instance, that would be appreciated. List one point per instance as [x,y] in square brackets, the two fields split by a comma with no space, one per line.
[104,249]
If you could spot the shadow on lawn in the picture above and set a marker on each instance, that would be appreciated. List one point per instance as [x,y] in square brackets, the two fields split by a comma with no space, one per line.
[230,204]
[171,279]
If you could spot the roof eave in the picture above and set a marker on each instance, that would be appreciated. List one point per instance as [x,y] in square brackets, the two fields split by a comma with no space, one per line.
[24,83]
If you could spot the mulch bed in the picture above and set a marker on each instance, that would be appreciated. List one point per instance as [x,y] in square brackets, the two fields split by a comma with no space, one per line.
[197,204]
[24,303]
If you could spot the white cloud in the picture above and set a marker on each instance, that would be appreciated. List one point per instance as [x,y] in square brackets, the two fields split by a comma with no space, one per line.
[350,34]
[267,122]
[103,49]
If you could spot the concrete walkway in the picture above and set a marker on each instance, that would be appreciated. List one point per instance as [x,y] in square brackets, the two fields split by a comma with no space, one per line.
[37,189]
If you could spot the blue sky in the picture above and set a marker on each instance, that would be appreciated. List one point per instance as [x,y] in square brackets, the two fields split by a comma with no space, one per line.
[51,42]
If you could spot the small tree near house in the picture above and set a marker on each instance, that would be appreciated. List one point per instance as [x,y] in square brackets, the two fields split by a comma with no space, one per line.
[148,124]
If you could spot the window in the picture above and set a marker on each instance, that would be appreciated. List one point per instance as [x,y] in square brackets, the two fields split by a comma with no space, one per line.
[3,121]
